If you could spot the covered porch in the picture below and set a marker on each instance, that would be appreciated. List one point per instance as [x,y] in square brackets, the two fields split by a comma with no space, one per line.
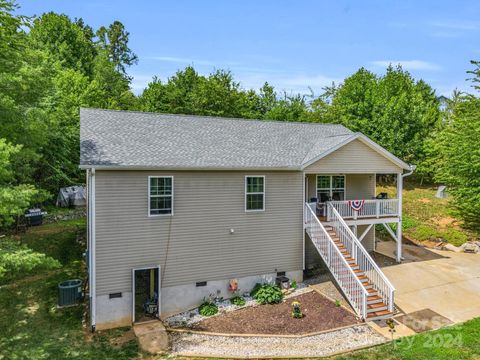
[355,198]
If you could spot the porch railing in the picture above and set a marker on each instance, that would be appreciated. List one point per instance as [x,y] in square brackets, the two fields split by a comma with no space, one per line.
[355,292]
[362,258]
[374,208]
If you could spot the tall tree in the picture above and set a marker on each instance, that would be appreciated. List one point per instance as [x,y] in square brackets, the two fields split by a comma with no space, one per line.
[394,110]
[458,158]
[114,40]
[69,42]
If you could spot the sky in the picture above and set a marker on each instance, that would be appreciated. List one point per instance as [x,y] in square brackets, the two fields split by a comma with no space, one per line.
[293,45]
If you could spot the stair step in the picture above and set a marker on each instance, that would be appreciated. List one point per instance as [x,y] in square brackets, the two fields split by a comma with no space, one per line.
[371,290]
[379,314]
[354,266]
[374,299]
[377,307]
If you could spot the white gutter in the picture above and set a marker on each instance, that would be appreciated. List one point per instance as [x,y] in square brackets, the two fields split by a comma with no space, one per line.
[412,169]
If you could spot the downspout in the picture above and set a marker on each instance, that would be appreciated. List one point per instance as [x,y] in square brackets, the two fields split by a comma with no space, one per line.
[304,180]
[92,250]
[400,210]
[412,169]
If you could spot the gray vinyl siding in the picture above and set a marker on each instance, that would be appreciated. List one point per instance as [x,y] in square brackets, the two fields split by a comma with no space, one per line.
[355,157]
[357,186]
[195,243]
[360,186]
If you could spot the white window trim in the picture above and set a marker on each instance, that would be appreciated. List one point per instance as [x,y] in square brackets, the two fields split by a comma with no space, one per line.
[255,193]
[331,189]
[173,195]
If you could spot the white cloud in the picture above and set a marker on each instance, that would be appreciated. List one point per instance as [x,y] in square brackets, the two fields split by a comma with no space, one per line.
[463,25]
[188,60]
[409,64]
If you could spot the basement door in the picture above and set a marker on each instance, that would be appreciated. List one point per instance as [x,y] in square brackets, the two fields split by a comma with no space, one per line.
[145,294]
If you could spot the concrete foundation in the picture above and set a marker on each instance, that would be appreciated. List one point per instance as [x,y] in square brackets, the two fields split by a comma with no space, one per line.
[117,312]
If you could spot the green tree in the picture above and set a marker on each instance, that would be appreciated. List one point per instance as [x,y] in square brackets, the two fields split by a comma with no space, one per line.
[458,162]
[14,199]
[114,40]
[394,110]
[69,42]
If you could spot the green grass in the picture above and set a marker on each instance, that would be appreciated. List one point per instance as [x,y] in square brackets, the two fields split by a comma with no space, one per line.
[426,217]
[32,327]
[457,342]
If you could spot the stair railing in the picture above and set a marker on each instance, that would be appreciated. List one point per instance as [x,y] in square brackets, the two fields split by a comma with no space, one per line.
[348,281]
[363,259]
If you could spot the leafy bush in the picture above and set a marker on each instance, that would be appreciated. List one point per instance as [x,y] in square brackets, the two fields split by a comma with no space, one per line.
[268,294]
[238,300]
[208,309]
[294,284]
[454,236]
[424,232]
[17,260]
[257,287]
[450,235]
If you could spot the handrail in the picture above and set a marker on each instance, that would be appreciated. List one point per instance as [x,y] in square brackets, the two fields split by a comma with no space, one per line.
[372,208]
[365,261]
[353,288]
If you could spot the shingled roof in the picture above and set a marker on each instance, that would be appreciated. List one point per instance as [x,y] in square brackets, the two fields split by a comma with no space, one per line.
[127,139]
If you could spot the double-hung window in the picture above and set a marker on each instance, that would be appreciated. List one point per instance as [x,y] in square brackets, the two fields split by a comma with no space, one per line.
[330,187]
[160,195]
[254,193]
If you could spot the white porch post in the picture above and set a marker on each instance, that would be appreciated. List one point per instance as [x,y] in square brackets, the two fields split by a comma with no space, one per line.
[399,225]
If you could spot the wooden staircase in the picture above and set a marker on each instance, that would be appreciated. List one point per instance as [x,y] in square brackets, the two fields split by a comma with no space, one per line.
[376,307]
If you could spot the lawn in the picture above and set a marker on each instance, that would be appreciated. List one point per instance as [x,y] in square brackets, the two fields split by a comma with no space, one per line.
[427,218]
[31,326]
[457,342]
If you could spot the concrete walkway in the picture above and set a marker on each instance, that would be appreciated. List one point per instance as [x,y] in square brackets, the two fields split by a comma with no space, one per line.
[448,285]
[152,336]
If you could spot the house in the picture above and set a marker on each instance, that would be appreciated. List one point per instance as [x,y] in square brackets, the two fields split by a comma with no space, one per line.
[178,206]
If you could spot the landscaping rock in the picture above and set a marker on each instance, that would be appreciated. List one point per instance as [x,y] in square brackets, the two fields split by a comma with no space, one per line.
[470,247]
[453,248]
[347,339]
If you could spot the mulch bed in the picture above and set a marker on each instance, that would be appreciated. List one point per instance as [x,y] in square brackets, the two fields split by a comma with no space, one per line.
[320,314]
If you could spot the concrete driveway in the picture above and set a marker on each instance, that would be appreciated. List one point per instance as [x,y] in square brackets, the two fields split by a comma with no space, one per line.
[448,284]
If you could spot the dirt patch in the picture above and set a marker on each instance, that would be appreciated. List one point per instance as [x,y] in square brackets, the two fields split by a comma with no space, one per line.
[445,222]
[424,320]
[320,314]
[425,200]
[120,341]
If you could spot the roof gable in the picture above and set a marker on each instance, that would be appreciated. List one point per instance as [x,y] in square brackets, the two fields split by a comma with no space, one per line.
[356,155]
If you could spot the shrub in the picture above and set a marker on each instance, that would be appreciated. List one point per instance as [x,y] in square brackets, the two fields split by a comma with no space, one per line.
[424,232]
[338,303]
[257,287]
[294,284]
[17,260]
[268,294]
[454,236]
[208,309]
[238,300]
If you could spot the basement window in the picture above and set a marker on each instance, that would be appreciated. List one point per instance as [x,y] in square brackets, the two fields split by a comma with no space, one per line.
[160,195]
[254,193]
